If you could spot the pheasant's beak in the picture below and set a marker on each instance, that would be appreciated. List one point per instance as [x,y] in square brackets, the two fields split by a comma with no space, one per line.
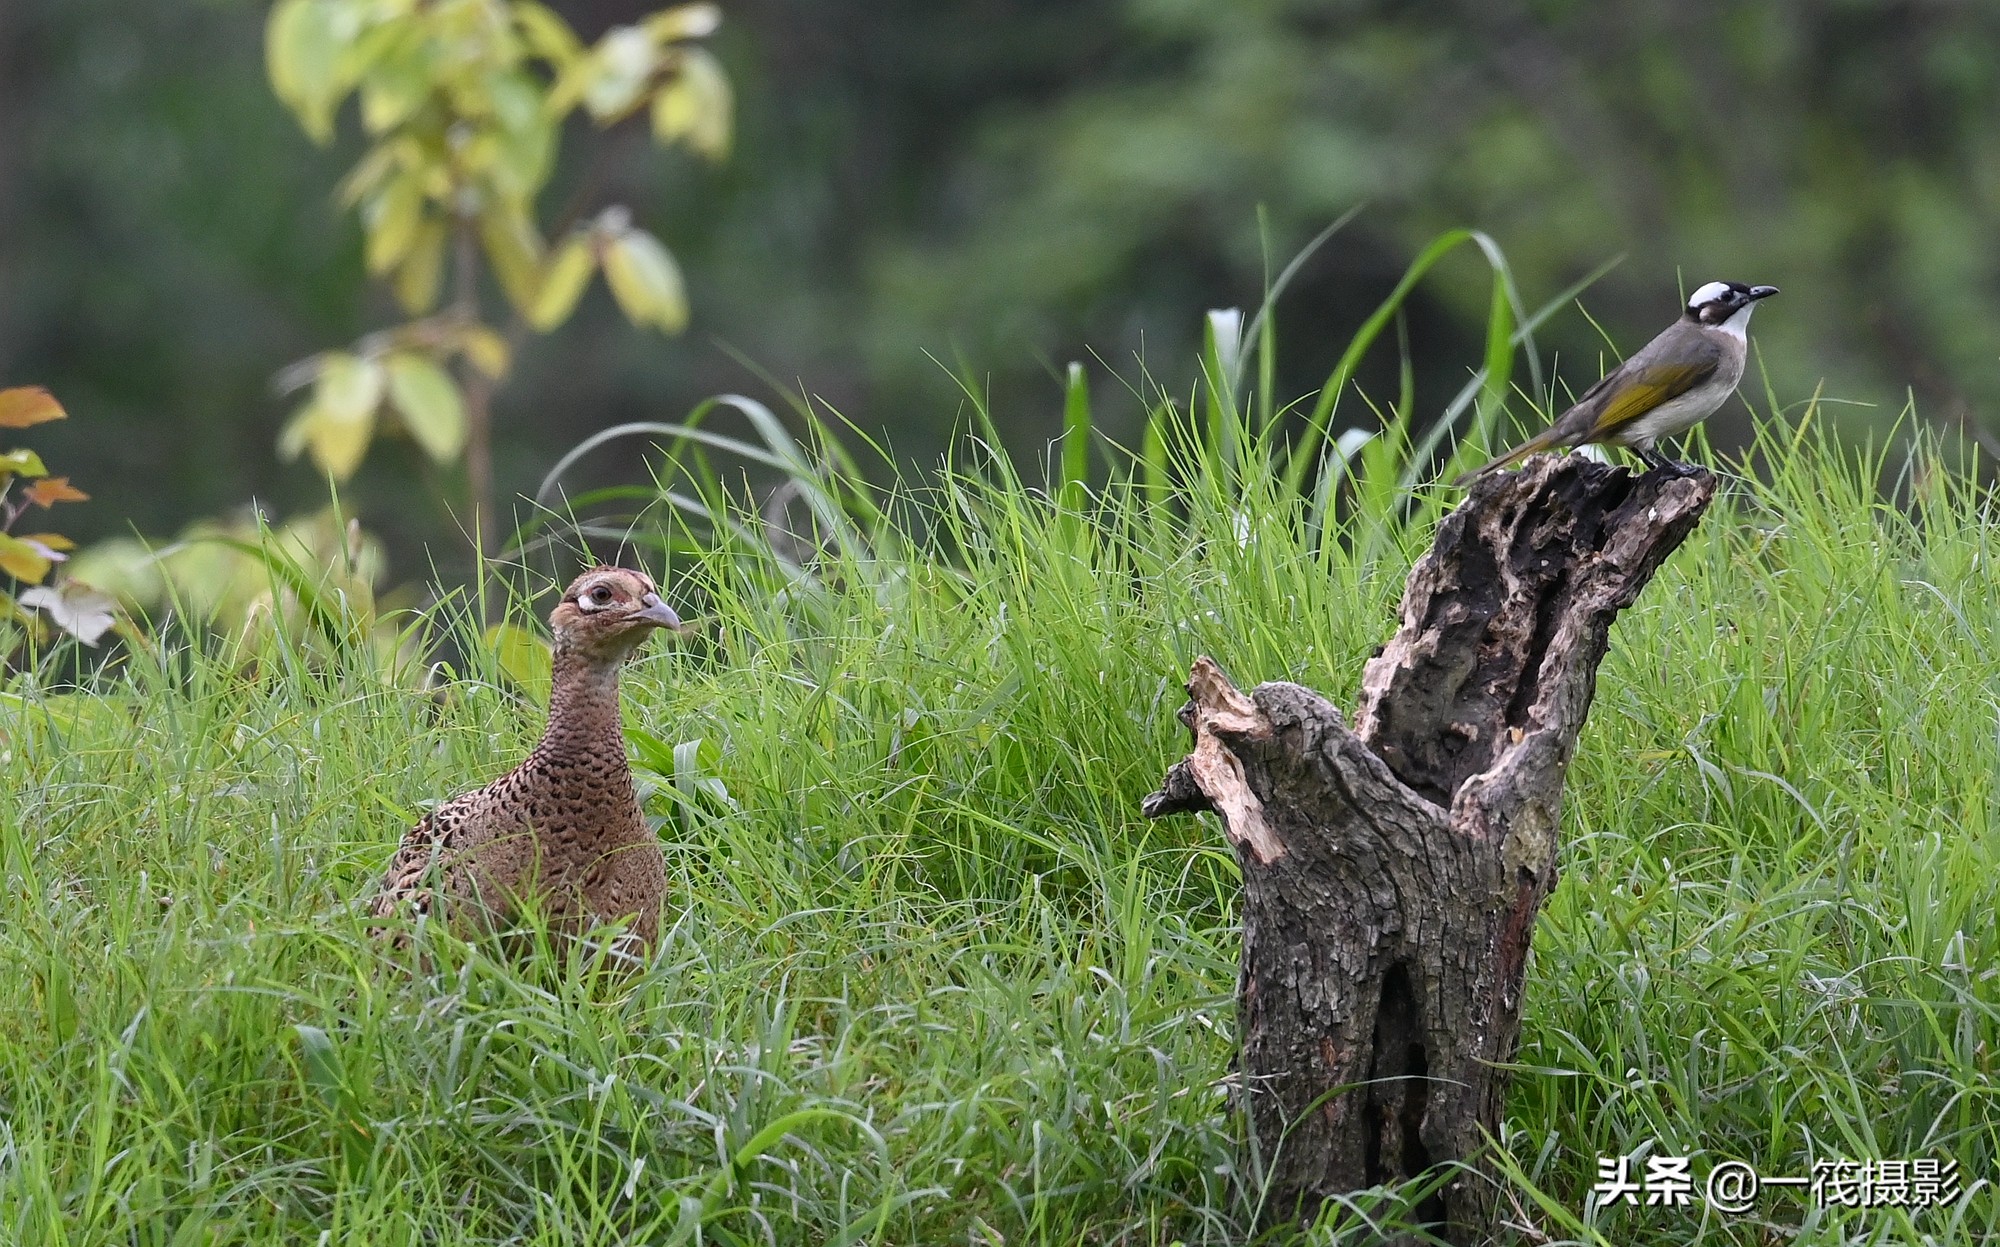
[652,610]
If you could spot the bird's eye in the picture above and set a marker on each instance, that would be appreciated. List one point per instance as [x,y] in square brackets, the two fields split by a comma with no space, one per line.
[600,595]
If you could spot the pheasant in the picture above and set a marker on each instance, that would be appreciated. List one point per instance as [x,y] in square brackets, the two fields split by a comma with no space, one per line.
[565,824]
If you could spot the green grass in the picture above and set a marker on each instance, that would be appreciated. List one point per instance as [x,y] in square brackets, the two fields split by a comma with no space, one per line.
[928,975]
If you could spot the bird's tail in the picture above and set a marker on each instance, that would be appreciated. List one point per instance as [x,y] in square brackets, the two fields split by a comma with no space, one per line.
[1540,441]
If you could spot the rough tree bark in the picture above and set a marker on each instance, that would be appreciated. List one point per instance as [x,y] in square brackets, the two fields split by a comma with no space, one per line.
[1392,873]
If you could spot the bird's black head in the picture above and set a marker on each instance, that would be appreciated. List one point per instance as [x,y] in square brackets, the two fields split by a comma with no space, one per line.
[1716,302]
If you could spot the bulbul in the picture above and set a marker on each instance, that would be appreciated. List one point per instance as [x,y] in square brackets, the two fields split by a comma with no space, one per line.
[1672,383]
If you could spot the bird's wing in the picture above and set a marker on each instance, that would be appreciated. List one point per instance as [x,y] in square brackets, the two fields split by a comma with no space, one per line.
[1639,386]
[1620,396]
[431,839]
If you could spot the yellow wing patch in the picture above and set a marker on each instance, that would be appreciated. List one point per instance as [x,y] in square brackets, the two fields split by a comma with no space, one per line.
[1644,390]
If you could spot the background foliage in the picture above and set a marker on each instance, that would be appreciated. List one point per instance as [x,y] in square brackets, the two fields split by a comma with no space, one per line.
[1017,180]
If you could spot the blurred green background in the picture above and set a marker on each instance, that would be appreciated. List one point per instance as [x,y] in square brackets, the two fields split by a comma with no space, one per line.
[1014,184]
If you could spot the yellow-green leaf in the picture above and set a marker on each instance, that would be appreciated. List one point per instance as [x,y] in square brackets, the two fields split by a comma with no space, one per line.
[339,421]
[515,250]
[620,66]
[64,714]
[486,349]
[120,566]
[396,85]
[517,159]
[429,403]
[522,655]
[22,463]
[338,443]
[549,35]
[348,387]
[24,561]
[368,172]
[393,219]
[695,105]
[686,21]
[646,281]
[423,268]
[292,438]
[303,43]
[26,405]
[563,280]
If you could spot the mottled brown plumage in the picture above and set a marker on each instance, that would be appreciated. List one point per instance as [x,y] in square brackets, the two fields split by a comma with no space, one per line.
[564,825]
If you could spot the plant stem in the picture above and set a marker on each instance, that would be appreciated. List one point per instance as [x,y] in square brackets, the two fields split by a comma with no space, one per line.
[478,390]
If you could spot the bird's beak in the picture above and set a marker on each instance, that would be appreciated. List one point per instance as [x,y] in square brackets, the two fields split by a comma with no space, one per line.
[1762,292]
[657,613]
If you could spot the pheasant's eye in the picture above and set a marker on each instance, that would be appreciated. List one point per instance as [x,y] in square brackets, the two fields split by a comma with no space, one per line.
[601,595]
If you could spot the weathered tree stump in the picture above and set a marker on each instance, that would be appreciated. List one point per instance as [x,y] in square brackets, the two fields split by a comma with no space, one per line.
[1392,873]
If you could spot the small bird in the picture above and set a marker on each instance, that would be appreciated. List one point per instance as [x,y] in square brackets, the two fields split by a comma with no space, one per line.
[565,824]
[1671,384]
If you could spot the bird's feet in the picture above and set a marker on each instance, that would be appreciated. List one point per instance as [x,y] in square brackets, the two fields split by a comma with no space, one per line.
[1657,462]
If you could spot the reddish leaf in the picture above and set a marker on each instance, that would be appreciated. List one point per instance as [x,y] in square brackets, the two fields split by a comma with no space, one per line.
[54,489]
[28,404]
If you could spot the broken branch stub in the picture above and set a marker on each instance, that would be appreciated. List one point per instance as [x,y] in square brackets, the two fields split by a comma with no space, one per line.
[1392,872]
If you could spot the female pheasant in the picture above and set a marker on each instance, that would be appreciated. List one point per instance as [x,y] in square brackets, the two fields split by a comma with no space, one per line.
[565,824]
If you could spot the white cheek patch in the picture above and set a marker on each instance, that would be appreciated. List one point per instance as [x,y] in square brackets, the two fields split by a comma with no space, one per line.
[1708,294]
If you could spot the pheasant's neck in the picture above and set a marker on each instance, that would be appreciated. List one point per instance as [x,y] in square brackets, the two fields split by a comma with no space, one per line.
[583,712]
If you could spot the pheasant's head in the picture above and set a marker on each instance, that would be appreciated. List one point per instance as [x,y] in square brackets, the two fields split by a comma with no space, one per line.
[607,612]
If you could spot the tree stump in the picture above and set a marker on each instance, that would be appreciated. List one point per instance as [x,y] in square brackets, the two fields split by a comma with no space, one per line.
[1391,874]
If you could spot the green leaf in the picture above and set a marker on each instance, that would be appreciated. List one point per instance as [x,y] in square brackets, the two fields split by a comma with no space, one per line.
[24,406]
[323,1070]
[22,463]
[429,403]
[516,151]
[522,656]
[515,250]
[392,220]
[25,561]
[563,280]
[695,105]
[59,1000]
[621,65]
[399,82]
[686,21]
[326,1074]
[303,43]
[646,281]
